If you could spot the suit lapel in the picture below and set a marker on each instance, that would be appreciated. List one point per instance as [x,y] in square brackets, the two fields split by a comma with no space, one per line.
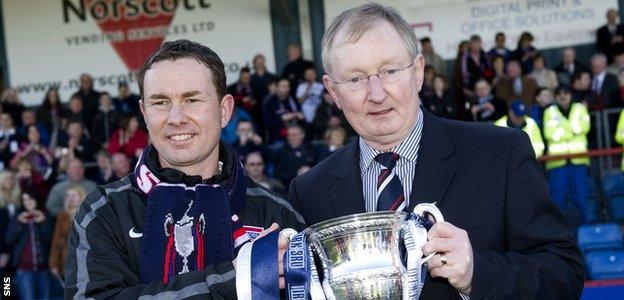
[347,195]
[433,171]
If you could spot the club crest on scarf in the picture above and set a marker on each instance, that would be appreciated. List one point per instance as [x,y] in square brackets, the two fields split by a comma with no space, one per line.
[184,236]
[176,237]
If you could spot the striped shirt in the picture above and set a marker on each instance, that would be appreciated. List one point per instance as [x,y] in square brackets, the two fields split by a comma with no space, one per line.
[405,167]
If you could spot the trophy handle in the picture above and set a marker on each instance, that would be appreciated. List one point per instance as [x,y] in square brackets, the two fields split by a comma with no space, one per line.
[424,209]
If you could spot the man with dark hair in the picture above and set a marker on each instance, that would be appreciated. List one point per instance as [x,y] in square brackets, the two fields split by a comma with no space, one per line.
[499,48]
[242,92]
[173,227]
[279,111]
[431,57]
[90,97]
[126,102]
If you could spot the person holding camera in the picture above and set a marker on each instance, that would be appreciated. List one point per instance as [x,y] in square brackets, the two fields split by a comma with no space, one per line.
[29,235]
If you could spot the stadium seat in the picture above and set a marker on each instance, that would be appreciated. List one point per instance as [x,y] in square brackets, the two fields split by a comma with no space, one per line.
[600,237]
[605,264]
[616,207]
[613,184]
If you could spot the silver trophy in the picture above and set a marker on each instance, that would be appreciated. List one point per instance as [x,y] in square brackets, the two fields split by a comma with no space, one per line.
[372,255]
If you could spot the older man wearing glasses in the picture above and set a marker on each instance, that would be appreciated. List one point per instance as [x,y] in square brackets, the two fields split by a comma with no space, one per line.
[504,238]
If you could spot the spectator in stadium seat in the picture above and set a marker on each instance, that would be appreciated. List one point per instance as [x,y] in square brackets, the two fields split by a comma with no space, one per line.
[475,64]
[104,123]
[617,64]
[254,166]
[75,176]
[10,191]
[29,118]
[426,90]
[279,111]
[9,140]
[543,76]
[293,71]
[463,95]
[90,97]
[604,85]
[247,139]
[51,110]
[441,103]
[487,108]
[76,140]
[242,92]
[543,99]
[525,52]
[498,67]
[517,118]
[104,172]
[335,138]
[515,85]
[129,138]
[35,151]
[431,57]
[499,49]
[581,88]
[9,205]
[126,102]
[260,78]
[11,103]
[610,37]
[76,110]
[294,156]
[566,125]
[30,180]
[309,94]
[228,133]
[328,115]
[62,227]
[121,166]
[30,233]
[568,66]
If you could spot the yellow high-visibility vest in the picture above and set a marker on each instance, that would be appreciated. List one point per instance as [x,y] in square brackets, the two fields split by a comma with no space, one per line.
[566,135]
[532,129]
[619,134]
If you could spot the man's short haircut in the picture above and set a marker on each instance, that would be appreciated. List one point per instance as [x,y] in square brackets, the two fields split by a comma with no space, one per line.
[245,70]
[179,49]
[425,40]
[499,34]
[475,38]
[598,56]
[353,23]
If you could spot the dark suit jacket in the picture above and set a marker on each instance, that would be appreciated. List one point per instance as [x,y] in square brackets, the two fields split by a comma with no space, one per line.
[609,92]
[484,179]
[603,41]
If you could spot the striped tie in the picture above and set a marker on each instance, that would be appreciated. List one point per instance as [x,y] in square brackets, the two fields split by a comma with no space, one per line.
[389,188]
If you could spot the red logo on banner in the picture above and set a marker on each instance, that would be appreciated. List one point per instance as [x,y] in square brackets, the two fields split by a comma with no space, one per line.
[135,38]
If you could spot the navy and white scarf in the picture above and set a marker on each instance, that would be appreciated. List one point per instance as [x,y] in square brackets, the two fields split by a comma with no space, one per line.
[189,222]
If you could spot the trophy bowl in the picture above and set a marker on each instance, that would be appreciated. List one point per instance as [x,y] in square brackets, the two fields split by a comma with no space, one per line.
[361,256]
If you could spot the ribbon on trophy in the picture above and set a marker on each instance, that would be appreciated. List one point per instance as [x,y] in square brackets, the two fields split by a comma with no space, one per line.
[257,262]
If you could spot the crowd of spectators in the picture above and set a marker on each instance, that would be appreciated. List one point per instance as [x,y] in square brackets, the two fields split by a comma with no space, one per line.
[53,154]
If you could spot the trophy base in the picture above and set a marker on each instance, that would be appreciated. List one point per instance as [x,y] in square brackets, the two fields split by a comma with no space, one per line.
[381,283]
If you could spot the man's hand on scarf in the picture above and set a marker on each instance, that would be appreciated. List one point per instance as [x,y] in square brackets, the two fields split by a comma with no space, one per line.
[282,245]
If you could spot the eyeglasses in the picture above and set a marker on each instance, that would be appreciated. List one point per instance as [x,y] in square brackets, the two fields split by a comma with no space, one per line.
[386,76]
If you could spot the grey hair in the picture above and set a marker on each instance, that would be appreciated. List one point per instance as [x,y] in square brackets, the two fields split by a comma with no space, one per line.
[357,21]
